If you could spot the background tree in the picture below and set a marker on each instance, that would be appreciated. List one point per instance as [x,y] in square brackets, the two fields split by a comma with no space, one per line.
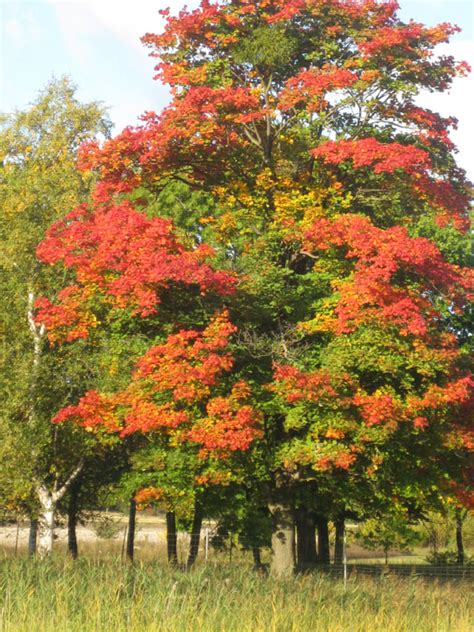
[389,532]
[39,182]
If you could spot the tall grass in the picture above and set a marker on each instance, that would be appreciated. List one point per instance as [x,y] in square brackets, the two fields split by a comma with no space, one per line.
[92,595]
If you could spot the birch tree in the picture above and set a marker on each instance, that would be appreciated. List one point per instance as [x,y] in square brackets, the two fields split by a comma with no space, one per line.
[39,183]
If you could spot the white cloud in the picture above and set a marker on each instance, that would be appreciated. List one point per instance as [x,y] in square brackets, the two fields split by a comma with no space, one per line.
[22,30]
[83,21]
[126,20]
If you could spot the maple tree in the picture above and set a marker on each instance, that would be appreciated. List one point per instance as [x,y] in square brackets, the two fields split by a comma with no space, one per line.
[335,233]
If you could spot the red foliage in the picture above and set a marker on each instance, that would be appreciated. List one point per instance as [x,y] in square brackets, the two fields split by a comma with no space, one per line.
[308,87]
[296,385]
[92,410]
[148,495]
[173,390]
[124,256]
[396,278]
[188,364]
[196,133]
[459,392]
[377,409]
[70,319]
[230,424]
[369,152]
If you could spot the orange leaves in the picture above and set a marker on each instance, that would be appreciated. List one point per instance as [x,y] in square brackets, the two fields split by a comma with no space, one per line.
[378,408]
[92,410]
[196,132]
[125,259]
[308,87]
[395,278]
[144,415]
[406,38]
[295,385]
[451,203]
[188,364]
[230,424]
[369,152]
[148,495]
[346,421]
[70,319]
[186,370]
[177,390]
[459,392]
[389,37]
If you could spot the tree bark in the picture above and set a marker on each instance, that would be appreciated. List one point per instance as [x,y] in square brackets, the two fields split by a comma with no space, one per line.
[46,522]
[257,558]
[48,502]
[72,519]
[132,519]
[323,540]
[283,535]
[33,536]
[306,553]
[459,537]
[339,525]
[195,536]
[171,538]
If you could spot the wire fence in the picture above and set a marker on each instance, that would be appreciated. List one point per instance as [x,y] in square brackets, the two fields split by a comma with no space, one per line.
[184,550]
[431,571]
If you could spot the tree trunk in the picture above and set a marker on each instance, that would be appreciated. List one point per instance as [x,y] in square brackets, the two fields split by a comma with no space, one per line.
[323,540]
[339,525]
[72,519]
[132,519]
[459,537]
[48,502]
[33,536]
[195,536]
[46,522]
[257,559]
[283,535]
[171,538]
[305,539]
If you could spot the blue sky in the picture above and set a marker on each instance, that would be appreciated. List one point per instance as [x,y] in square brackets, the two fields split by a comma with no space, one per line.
[96,42]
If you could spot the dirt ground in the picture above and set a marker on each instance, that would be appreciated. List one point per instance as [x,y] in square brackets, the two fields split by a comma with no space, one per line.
[147,531]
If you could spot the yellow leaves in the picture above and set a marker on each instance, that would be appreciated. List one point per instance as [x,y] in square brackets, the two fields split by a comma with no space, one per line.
[227,225]
[325,319]
[207,220]
[265,180]
[113,367]
[321,323]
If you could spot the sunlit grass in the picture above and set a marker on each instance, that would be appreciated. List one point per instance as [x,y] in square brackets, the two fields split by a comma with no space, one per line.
[92,595]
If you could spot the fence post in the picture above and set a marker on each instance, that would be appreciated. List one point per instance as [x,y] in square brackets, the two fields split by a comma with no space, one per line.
[206,544]
[17,536]
[344,562]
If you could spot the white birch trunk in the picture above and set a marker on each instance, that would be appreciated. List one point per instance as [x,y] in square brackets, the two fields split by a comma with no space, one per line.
[48,498]
[48,501]
[46,522]
[38,334]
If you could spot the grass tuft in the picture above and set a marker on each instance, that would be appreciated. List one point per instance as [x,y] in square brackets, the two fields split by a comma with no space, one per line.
[92,595]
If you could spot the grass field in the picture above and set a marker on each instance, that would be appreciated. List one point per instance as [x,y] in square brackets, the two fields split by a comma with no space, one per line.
[96,596]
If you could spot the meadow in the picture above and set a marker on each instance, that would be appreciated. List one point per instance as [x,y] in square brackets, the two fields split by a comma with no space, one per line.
[93,595]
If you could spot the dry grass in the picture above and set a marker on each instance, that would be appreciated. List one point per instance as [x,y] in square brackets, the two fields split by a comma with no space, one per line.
[92,595]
